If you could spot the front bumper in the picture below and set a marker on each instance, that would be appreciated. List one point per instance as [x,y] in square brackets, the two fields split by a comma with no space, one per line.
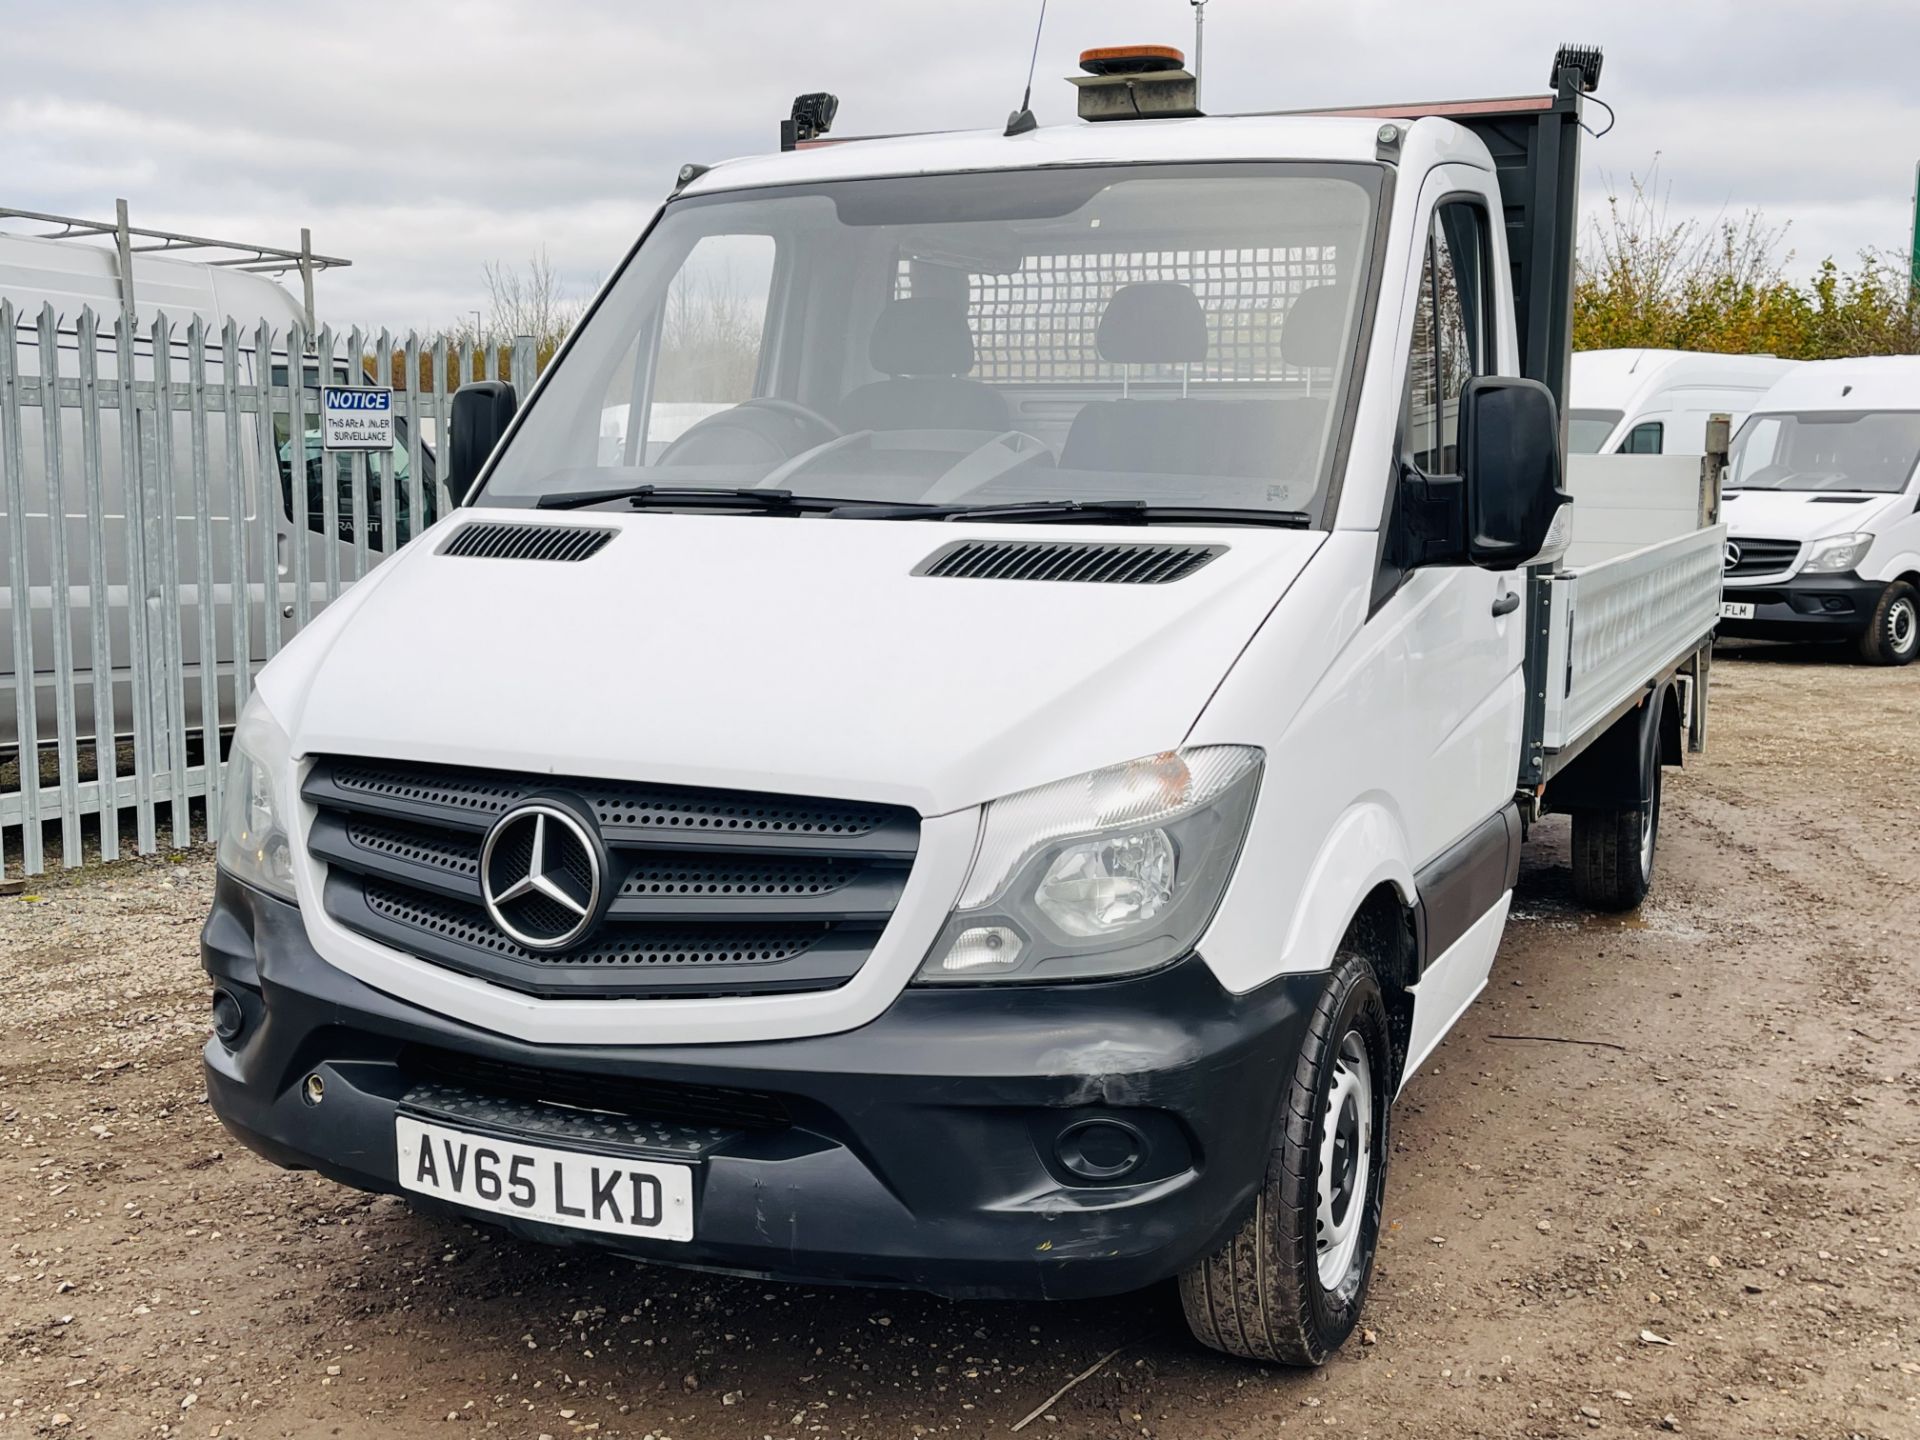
[919,1150]
[1805,607]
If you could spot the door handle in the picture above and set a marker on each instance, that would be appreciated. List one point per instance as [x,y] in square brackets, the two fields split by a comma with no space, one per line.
[1506,603]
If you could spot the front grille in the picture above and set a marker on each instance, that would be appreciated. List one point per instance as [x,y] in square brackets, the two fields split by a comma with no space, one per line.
[711,892]
[625,1095]
[1762,557]
[468,926]
[415,845]
[385,787]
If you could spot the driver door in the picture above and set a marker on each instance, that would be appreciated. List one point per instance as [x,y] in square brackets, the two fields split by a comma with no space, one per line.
[1454,635]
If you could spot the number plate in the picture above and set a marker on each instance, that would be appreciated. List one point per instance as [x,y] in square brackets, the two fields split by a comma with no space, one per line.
[1736,609]
[559,1187]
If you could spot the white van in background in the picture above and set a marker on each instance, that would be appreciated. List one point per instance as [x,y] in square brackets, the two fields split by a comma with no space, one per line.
[73,275]
[1658,402]
[1822,487]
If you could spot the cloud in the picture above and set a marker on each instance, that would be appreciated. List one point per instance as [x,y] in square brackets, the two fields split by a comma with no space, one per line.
[425,139]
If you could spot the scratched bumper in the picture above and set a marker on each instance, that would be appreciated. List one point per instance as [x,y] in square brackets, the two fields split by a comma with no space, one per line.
[919,1150]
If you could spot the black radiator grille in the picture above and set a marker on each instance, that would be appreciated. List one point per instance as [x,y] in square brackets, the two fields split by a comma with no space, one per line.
[1761,557]
[711,892]
[489,793]
[415,844]
[469,926]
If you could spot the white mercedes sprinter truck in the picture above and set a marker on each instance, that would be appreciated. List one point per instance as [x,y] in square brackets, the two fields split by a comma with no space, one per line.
[1003,807]
[1823,510]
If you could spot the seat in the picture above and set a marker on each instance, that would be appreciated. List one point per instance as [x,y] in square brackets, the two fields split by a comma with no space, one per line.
[924,347]
[1154,323]
[1162,323]
[1314,327]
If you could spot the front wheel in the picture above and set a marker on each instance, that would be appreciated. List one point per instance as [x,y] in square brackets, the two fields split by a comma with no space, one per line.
[1289,1286]
[1893,635]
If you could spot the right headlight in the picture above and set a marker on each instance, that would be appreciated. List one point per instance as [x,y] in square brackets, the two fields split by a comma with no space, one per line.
[1837,553]
[1107,873]
[253,827]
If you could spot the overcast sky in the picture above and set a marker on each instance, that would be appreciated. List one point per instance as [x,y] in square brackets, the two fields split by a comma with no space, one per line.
[423,139]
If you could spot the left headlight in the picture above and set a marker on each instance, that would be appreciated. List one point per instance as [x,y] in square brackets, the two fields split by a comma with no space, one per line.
[254,843]
[1836,553]
[1109,873]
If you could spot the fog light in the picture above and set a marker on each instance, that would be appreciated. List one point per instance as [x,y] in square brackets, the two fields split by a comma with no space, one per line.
[228,1018]
[982,948]
[1101,1149]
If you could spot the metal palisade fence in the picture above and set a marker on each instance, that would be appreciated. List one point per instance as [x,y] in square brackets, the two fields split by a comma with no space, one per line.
[170,520]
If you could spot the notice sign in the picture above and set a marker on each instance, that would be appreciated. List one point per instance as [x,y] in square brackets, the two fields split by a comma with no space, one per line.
[356,419]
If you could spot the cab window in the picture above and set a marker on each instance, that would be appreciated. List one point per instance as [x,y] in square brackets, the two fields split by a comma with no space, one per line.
[1452,336]
[1644,439]
[315,462]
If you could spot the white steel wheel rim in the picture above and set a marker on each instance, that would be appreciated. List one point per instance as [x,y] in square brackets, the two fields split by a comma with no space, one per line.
[1346,1162]
[1901,623]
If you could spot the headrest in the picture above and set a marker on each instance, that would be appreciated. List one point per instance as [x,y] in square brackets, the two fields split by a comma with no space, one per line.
[924,335]
[1160,323]
[1315,326]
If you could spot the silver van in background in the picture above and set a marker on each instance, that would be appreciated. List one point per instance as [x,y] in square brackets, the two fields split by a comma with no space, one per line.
[50,284]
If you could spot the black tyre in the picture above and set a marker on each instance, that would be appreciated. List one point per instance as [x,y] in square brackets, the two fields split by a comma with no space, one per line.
[1613,851]
[1893,635]
[1288,1288]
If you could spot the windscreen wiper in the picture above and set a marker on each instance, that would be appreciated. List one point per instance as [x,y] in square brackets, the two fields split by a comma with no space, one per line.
[1086,512]
[642,497]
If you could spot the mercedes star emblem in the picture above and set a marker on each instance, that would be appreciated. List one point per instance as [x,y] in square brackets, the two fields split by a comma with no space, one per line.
[540,876]
[1733,555]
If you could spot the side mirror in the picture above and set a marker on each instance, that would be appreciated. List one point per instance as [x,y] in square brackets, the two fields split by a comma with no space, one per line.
[1510,461]
[481,413]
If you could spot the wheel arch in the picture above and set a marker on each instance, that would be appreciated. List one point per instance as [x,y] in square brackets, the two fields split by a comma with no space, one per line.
[1673,724]
[1612,773]
[1386,929]
[1905,565]
[1364,857]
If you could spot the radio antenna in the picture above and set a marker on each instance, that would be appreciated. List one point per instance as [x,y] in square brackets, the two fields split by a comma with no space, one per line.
[1021,120]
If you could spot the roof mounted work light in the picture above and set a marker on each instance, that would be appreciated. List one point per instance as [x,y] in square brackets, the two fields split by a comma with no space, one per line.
[812,117]
[1582,58]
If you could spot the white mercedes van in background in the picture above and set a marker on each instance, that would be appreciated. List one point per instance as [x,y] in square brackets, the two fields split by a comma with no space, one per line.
[1658,402]
[1822,490]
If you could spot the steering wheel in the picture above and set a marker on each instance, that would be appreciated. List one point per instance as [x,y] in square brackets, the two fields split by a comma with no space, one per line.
[764,423]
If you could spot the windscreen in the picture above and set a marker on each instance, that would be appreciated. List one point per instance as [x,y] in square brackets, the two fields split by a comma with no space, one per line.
[1173,335]
[1873,451]
[1587,430]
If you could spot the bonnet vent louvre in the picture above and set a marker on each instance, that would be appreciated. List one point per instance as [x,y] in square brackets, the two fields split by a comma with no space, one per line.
[526,542]
[1080,562]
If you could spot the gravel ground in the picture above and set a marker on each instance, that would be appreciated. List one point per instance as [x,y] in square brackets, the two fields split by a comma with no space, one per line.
[1696,1208]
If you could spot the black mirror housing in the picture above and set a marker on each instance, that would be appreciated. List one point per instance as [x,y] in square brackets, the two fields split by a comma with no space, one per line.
[1510,460]
[482,411]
